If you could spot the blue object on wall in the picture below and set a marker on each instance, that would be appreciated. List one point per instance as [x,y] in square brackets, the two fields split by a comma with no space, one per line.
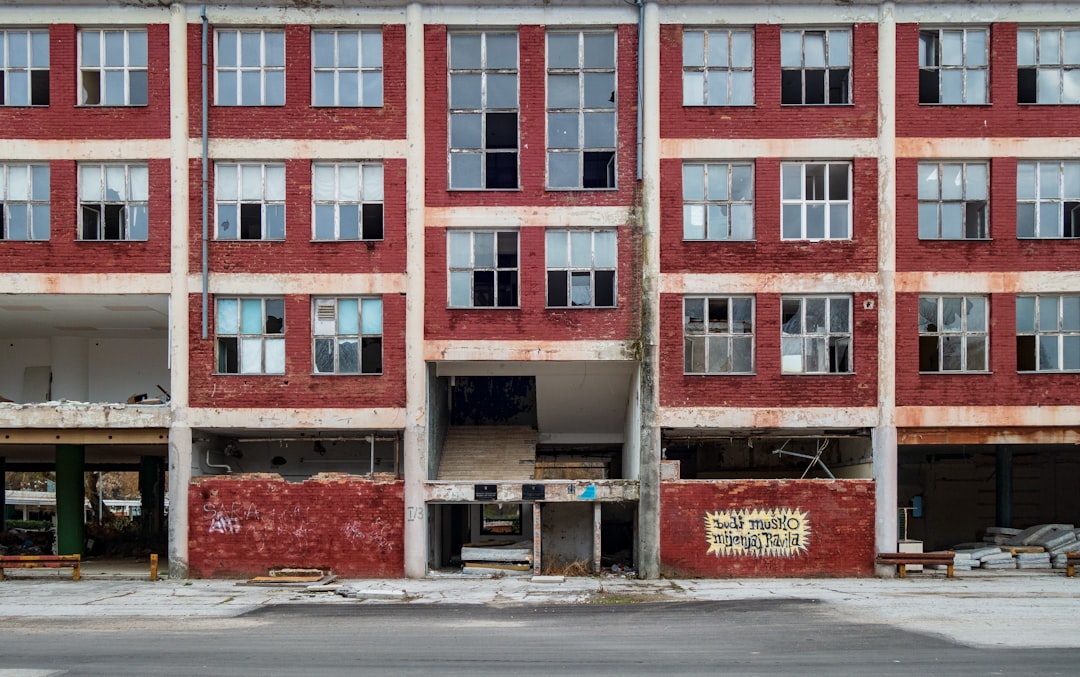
[916,504]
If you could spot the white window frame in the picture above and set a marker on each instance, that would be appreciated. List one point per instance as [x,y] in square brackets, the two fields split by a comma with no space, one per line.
[1052,323]
[467,258]
[834,62]
[954,201]
[718,67]
[718,201]
[347,68]
[338,322]
[564,251]
[101,73]
[24,189]
[954,79]
[341,191]
[1049,207]
[24,73]
[954,346]
[238,188]
[268,69]
[1048,62]
[257,351]
[808,200]
[114,191]
[712,329]
[827,342]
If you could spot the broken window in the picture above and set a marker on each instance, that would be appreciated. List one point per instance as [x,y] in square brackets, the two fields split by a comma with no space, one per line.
[483,111]
[1048,333]
[24,68]
[952,200]
[815,67]
[718,335]
[718,67]
[113,202]
[816,200]
[581,110]
[348,201]
[249,68]
[1048,199]
[249,201]
[953,66]
[1048,65]
[347,68]
[483,268]
[581,268]
[952,333]
[250,335]
[24,202]
[718,201]
[347,335]
[815,336]
[112,68]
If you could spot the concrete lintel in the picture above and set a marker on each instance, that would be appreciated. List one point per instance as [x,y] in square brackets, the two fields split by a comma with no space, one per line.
[991,435]
[83,415]
[767,418]
[328,420]
[537,351]
[987,418]
[84,436]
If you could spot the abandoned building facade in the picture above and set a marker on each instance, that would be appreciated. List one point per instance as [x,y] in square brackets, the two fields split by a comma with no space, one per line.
[705,289]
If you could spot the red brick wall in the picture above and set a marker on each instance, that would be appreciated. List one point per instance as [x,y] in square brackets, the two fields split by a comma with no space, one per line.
[840,515]
[243,526]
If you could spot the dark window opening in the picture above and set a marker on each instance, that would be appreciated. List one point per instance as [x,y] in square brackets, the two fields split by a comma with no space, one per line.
[791,87]
[501,132]
[501,170]
[508,288]
[928,86]
[839,353]
[250,222]
[598,170]
[373,222]
[324,355]
[815,86]
[975,219]
[605,288]
[838,86]
[2,89]
[1071,227]
[1027,85]
[275,316]
[928,353]
[39,88]
[3,222]
[1025,353]
[557,295]
[371,355]
[228,356]
[484,288]
[114,222]
[91,84]
[506,250]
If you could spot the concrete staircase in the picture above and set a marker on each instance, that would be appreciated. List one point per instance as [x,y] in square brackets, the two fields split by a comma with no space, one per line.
[496,453]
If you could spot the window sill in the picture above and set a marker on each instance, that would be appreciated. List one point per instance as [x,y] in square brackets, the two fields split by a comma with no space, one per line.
[249,105]
[108,241]
[817,105]
[558,308]
[816,239]
[719,373]
[217,239]
[483,307]
[719,105]
[24,105]
[955,239]
[1056,237]
[230,373]
[339,240]
[956,373]
[549,189]
[983,104]
[817,373]
[112,105]
[319,374]
[332,106]
[1050,372]
[696,239]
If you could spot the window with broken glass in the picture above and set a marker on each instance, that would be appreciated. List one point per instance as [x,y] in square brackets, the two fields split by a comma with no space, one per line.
[1048,65]
[1048,199]
[348,201]
[952,333]
[815,67]
[347,68]
[718,335]
[112,68]
[483,111]
[815,200]
[347,335]
[581,110]
[815,336]
[1048,333]
[249,68]
[113,202]
[581,268]
[24,202]
[250,335]
[953,66]
[718,201]
[718,67]
[24,68]
[249,201]
[952,200]
[483,268]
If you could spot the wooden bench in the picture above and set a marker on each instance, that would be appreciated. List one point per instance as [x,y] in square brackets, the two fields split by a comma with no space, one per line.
[36,561]
[902,559]
[1071,560]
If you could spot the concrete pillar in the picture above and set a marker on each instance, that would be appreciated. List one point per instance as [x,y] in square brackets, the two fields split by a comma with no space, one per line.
[70,497]
[538,537]
[596,525]
[70,368]
[3,494]
[152,491]
[1004,487]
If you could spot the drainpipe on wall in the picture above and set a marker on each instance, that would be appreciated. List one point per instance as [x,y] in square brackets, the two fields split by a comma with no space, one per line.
[205,176]
[640,47]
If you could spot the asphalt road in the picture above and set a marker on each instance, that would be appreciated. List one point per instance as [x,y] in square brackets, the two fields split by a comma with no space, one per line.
[750,637]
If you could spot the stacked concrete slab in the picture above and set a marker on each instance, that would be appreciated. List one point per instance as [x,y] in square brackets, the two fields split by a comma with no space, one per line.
[1042,546]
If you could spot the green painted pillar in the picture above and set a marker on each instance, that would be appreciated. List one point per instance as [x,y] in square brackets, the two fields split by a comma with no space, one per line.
[152,491]
[70,498]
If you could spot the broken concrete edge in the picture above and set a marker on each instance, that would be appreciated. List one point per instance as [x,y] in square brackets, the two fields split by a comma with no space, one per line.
[548,579]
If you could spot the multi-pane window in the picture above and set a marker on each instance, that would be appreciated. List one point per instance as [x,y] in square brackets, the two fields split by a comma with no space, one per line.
[953,66]
[249,68]
[483,266]
[581,268]
[718,67]
[952,333]
[24,202]
[112,68]
[1048,65]
[718,335]
[815,335]
[250,335]
[581,110]
[24,68]
[347,68]
[347,335]
[348,201]
[815,200]
[718,201]
[483,110]
[815,66]
[1048,333]
[249,201]
[113,201]
[952,200]
[1048,199]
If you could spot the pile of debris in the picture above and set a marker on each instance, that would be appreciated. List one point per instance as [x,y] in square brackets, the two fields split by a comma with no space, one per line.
[1042,546]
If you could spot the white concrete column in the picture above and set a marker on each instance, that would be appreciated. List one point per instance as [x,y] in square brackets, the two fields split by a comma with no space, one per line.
[70,370]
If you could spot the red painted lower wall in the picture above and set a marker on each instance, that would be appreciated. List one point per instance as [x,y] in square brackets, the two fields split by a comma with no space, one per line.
[839,516]
[244,525]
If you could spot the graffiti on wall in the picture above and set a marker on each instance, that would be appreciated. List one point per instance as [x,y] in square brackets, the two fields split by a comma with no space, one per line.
[779,532]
